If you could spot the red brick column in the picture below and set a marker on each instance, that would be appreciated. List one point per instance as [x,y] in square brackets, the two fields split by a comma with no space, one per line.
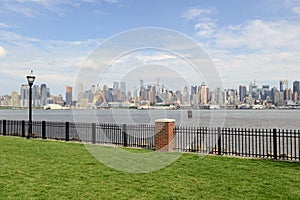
[164,135]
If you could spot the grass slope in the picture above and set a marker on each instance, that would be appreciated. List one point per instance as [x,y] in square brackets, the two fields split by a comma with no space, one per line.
[37,169]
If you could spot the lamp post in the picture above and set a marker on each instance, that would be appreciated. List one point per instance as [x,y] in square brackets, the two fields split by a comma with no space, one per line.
[30,79]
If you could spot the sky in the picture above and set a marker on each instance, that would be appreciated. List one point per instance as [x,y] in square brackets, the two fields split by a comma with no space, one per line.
[245,40]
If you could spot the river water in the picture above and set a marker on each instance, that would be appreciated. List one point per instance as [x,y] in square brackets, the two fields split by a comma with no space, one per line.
[283,119]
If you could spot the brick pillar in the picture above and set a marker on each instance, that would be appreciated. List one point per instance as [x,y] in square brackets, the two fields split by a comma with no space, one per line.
[164,135]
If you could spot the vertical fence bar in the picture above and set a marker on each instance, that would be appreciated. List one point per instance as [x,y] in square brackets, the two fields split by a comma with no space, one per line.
[23,128]
[4,127]
[275,143]
[124,130]
[295,145]
[93,133]
[280,137]
[290,156]
[242,142]
[44,130]
[67,131]
[219,141]
[283,143]
[255,143]
[298,135]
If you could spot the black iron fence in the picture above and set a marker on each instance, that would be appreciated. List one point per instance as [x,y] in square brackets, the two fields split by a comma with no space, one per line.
[263,143]
[139,135]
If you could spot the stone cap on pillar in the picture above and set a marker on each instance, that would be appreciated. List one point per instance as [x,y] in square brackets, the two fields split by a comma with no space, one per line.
[165,120]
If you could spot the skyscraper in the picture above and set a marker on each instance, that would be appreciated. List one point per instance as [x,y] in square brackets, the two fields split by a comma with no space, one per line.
[296,90]
[203,94]
[185,99]
[219,95]
[266,93]
[68,95]
[15,100]
[80,92]
[45,94]
[283,85]
[242,92]
[36,96]
[123,87]
[24,97]
[296,86]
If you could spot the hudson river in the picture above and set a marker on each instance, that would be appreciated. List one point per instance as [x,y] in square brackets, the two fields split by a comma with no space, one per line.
[283,119]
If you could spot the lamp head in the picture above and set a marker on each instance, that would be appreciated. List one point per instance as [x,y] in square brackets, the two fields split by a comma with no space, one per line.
[30,78]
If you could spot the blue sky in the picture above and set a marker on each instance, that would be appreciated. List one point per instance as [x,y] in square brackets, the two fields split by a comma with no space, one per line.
[244,39]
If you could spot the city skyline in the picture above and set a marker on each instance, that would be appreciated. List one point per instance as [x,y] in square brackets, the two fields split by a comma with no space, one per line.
[156,93]
[286,84]
[243,39]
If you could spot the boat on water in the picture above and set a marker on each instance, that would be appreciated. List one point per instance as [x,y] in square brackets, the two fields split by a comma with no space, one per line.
[214,107]
[54,107]
[258,107]
[146,107]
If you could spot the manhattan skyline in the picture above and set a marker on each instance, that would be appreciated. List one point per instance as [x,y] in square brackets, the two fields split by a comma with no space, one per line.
[117,94]
[243,39]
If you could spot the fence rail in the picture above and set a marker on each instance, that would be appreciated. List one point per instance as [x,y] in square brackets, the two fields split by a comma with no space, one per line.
[262,143]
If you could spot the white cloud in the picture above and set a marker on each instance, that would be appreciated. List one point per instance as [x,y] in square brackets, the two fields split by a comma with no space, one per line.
[34,8]
[294,5]
[197,12]
[3,52]
[3,25]
[48,58]
[260,35]
[266,49]
[205,22]
[296,10]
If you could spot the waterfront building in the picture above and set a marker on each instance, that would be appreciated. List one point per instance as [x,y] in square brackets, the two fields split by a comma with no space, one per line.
[253,90]
[15,100]
[278,98]
[36,96]
[220,97]
[193,97]
[296,90]
[266,93]
[45,94]
[80,92]
[208,96]
[178,97]
[232,96]
[24,95]
[242,93]
[58,100]
[123,87]
[203,94]
[5,100]
[109,95]
[283,85]
[288,94]
[185,99]
[295,96]
[68,95]
[193,90]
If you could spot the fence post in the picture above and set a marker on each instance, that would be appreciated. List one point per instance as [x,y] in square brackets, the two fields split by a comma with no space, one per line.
[124,130]
[93,133]
[4,127]
[164,135]
[23,128]
[44,130]
[275,143]
[219,141]
[67,131]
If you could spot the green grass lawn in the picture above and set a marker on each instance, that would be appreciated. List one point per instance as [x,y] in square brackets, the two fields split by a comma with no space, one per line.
[41,169]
